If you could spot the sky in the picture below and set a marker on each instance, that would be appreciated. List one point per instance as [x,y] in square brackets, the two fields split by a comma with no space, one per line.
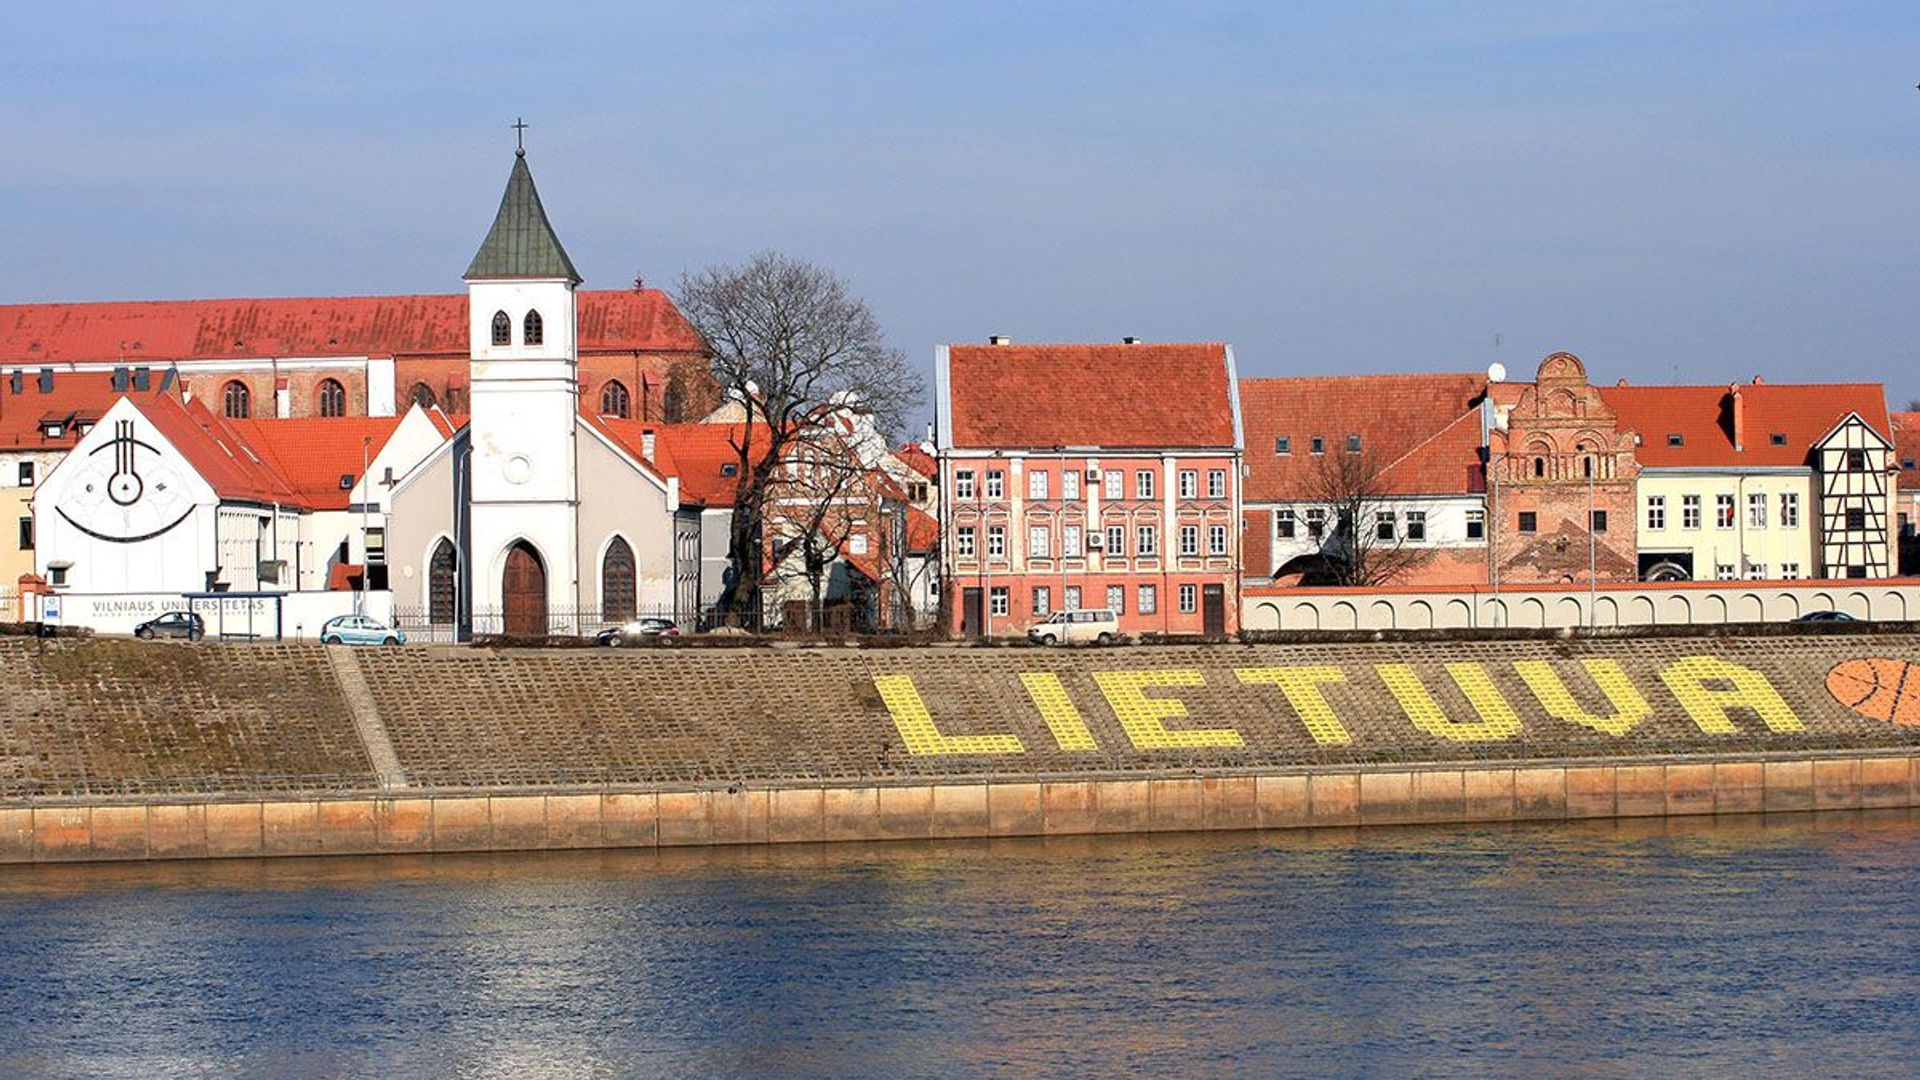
[1693,192]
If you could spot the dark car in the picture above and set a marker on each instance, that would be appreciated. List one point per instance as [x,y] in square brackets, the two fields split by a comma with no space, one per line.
[180,624]
[638,628]
[1826,616]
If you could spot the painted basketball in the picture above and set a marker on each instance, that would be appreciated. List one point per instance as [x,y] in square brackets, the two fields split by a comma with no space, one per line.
[1878,689]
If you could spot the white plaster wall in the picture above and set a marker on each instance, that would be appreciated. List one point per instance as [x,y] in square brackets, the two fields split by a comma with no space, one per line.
[1344,609]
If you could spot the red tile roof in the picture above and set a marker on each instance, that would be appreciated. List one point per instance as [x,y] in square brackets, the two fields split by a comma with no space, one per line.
[913,457]
[696,454]
[923,531]
[1113,396]
[218,452]
[155,331]
[1906,438]
[1703,417]
[312,454]
[1423,430]
[76,397]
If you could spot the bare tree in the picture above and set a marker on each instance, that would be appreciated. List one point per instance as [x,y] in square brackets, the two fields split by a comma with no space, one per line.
[1367,545]
[789,342]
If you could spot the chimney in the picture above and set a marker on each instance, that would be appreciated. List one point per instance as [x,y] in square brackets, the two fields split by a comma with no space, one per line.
[1739,410]
[1759,380]
[1129,340]
[142,377]
[120,380]
[999,339]
[646,444]
[46,380]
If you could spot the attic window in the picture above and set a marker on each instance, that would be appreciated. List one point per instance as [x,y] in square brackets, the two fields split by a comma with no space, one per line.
[1906,463]
[1778,438]
[1676,440]
[53,430]
[730,468]
[1319,445]
[1282,444]
[84,426]
[1353,444]
[346,481]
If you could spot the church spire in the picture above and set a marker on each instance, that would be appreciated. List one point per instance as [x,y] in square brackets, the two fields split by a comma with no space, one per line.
[521,243]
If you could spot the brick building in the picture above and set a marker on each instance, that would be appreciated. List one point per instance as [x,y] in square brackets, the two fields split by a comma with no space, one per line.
[1089,476]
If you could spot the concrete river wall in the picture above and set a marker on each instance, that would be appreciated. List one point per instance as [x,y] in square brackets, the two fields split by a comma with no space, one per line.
[119,749]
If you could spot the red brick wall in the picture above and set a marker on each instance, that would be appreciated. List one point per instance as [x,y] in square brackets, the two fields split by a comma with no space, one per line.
[1256,542]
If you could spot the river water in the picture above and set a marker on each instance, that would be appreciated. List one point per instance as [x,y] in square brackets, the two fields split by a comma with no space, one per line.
[1697,947]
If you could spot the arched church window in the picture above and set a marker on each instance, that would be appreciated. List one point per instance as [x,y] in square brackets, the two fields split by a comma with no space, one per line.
[422,395]
[1539,466]
[502,329]
[237,400]
[614,400]
[332,398]
[442,583]
[534,330]
[673,402]
[617,589]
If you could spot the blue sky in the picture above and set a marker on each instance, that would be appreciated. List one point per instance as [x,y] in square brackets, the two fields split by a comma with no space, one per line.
[1703,191]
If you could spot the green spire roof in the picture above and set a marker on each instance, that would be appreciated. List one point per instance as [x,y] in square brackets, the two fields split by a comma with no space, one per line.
[521,243]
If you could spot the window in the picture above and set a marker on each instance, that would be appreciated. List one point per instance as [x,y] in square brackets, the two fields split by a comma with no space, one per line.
[1856,571]
[1070,598]
[1723,511]
[963,542]
[1036,485]
[615,401]
[442,583]
[1789,571]
[1189,599]
[1282,445]
[1476,524]
[1656,511]
[1146,540]
[1789,509]
[1070,541]
[1216,483]
[1189,540]
[1416,524]
[1757,510]
[999,601]
[533,331]
[1757,571]
[1529,521]
[1143,484]
[1189,484]
[1689,511]
[1597,521]
[1070,484]
[57,576]
[1149,599]
[1386,524]
[1676,440]
[1216,539]
[1042,601]
[502,329]
[963,484]
[1856,461]
[1039,541]
[1319,445]
[1284,523]
[236,400]
[1856,519]
[1114,481]
[1778,438]
[1724,572]
[1539,466]
[332,398]
[26,534]
[617,582]
[1353,444]
[996,484]
[1316,522]
[1117,599]
[1116,541]
[26,474]
[996,541]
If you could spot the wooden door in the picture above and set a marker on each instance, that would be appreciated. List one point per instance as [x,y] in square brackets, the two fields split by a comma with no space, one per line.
[524,592]
[1213,610]
[972,612]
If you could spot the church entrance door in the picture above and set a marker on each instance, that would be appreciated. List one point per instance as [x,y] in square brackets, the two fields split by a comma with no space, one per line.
[524,592]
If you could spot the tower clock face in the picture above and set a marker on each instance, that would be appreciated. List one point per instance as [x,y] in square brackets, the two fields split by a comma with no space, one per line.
[125,492]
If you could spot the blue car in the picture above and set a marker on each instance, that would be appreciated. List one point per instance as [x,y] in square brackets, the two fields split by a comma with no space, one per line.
[359,630]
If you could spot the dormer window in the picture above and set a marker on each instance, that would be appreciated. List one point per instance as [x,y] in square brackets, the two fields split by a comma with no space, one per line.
[1353,444]
[730,469]
[1283,444]
[1676,440]
[53,430]
[502,329]
[534,329]
[1779,438]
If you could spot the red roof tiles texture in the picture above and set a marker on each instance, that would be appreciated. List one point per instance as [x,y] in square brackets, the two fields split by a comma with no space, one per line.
[1703,416]
[311,455]
[75,398]
[1906,440]
[1114,396]
[1423,430]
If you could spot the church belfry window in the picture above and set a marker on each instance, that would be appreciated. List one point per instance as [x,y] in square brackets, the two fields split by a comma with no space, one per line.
[614,400]
[331,398]
[502,329]
[534,331]
[237,400]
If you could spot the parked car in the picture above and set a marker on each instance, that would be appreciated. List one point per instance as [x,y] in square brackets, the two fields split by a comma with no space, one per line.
[180,624]
[1098,626]
[1826,616]
[635,630]
[359,630]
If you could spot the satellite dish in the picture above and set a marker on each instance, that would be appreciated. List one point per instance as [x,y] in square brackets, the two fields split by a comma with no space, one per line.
[1496,372]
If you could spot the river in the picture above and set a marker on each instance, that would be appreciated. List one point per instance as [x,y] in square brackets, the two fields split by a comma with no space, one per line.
[1695,947]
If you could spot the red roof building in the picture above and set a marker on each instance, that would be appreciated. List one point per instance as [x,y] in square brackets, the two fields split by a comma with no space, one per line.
[1906,437]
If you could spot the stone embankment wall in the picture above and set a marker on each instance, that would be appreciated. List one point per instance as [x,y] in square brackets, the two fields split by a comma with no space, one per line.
[123,749]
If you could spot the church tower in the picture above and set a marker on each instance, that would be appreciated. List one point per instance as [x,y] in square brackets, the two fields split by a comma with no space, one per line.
[525,402]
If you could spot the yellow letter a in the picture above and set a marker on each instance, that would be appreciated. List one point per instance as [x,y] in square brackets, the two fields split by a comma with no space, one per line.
[1687,678]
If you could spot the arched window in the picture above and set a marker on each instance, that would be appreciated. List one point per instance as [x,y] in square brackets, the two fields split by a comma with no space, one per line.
[443,584]
[422,395]
[1586,465]
[617,594]
[502,329]
[673,402]
[534,329]
[1539,466]
[238,400]
[614,400]
[332,398]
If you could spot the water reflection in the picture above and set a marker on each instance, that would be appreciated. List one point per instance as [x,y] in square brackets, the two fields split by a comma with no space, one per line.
[1698,946]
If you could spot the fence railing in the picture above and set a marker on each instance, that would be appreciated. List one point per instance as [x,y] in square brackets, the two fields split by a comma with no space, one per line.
[423,624]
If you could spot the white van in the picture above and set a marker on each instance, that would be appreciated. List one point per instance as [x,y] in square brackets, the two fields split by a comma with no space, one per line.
[1098,626]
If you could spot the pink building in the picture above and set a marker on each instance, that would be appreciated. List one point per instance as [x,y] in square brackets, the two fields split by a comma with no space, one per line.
[1089,476]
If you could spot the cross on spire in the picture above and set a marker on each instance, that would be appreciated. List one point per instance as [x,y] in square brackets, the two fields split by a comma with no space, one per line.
[519,136]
